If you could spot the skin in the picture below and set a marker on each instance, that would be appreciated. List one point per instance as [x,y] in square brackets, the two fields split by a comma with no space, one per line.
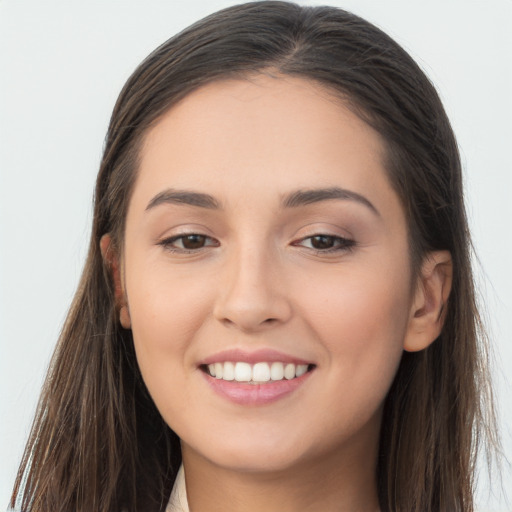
[258,282]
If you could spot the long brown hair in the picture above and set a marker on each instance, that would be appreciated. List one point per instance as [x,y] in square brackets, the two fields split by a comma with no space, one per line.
[99,443]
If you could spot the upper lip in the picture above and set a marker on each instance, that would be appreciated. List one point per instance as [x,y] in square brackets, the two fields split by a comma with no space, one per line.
[252,357]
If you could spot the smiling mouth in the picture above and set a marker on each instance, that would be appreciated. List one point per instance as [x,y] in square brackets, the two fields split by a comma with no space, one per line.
[258,373]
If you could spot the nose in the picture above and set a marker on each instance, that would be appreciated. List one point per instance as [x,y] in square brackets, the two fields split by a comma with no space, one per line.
[252,295]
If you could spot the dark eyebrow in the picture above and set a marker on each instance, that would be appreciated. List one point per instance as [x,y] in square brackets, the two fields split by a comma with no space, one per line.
[188,197]
[293,200]
[309,196]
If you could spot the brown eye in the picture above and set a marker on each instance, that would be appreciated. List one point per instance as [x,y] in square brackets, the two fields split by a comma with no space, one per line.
[188,243]
[323,242]
[193,241]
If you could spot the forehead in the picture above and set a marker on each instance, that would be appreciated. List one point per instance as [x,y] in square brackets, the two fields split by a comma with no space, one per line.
[260,134]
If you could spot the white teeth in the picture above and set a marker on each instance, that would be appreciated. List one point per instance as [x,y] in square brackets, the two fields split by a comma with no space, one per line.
[259,372]
[229,371]
[277,371]
[243,372]
[301,370]
[289,371]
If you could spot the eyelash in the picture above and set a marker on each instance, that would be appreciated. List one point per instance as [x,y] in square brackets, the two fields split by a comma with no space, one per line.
[341,244]
[168,243]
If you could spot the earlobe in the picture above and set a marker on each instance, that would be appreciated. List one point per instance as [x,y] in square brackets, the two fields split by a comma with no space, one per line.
[430,301]
[112,261]
[124,317]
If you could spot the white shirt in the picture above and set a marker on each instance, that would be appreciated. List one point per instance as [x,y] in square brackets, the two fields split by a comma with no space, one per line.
[178,500]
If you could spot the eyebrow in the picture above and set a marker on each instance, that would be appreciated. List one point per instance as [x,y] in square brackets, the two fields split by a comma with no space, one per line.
[292,200]
[310,196]
[173,196]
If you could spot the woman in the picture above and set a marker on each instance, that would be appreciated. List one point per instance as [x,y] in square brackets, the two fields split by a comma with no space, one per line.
[276,292]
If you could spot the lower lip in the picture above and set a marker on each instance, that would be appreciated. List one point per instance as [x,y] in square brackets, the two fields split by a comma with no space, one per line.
[255,394]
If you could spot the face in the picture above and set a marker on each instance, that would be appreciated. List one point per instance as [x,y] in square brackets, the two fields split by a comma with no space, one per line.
[266,273]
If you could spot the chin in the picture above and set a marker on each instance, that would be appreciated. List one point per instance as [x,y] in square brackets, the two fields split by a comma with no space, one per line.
[254,455]
[256,461]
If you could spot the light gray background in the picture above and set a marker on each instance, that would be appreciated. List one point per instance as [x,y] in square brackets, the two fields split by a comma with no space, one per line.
[62,64]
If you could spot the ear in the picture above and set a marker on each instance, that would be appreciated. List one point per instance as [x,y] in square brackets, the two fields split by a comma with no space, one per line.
[428,308]
[112,261]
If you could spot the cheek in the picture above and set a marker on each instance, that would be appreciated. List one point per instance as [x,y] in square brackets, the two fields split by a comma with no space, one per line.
[164,307]
[166,313]
[361,321]
[358,305]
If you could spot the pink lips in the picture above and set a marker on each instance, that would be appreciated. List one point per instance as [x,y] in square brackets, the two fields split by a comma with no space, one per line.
[242,393]
[255,394]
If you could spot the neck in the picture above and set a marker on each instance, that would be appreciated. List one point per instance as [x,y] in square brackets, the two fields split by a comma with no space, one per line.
[342,480]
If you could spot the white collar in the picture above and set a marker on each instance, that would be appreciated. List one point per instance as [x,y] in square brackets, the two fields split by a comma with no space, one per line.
[178,500]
